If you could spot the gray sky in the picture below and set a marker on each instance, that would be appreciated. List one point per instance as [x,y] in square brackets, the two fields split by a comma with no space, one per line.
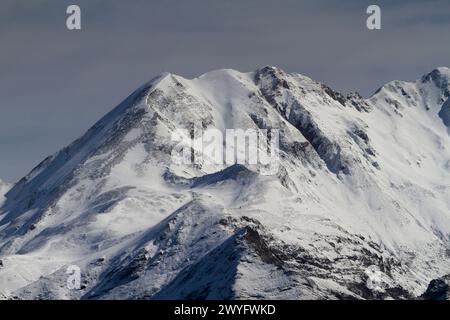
[55,83]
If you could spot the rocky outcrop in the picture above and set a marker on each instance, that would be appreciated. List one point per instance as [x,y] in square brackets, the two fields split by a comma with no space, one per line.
[438,289]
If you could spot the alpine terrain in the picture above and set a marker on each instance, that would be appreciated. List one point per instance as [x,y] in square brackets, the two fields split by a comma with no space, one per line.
[358,208]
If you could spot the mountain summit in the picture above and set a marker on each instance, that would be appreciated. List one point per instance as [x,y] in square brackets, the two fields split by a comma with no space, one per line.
[359,206]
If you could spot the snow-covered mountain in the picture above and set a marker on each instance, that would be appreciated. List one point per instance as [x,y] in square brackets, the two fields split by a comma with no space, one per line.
[359,207]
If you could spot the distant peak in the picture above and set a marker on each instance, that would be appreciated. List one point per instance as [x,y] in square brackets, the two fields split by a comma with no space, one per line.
[443,70]
[270,70]
[153,82]
[440,76]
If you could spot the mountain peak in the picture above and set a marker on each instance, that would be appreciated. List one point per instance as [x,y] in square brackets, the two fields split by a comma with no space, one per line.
[440,76]
[270,69]
[442,70]
[346,196]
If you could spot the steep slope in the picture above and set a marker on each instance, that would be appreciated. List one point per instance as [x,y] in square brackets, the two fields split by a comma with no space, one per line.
[357,208]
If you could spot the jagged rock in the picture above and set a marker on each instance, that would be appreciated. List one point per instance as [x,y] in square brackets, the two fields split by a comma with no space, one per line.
[438,289]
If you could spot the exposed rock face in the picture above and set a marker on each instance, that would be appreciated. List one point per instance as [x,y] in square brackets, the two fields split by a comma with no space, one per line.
[438,289]
[358,208]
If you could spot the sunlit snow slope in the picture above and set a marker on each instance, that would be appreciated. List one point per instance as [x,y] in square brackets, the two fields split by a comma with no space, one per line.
[362,189]
[4,187]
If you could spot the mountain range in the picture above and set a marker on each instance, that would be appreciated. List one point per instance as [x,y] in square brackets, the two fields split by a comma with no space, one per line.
[358,209]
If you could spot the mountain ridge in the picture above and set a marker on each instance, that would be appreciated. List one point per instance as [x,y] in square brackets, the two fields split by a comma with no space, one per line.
[353,193]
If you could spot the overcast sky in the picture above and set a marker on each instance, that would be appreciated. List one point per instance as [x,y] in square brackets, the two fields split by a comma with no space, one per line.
[55,83]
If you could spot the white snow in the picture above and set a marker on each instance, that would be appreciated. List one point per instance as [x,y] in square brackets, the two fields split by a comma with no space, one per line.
[116,197]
